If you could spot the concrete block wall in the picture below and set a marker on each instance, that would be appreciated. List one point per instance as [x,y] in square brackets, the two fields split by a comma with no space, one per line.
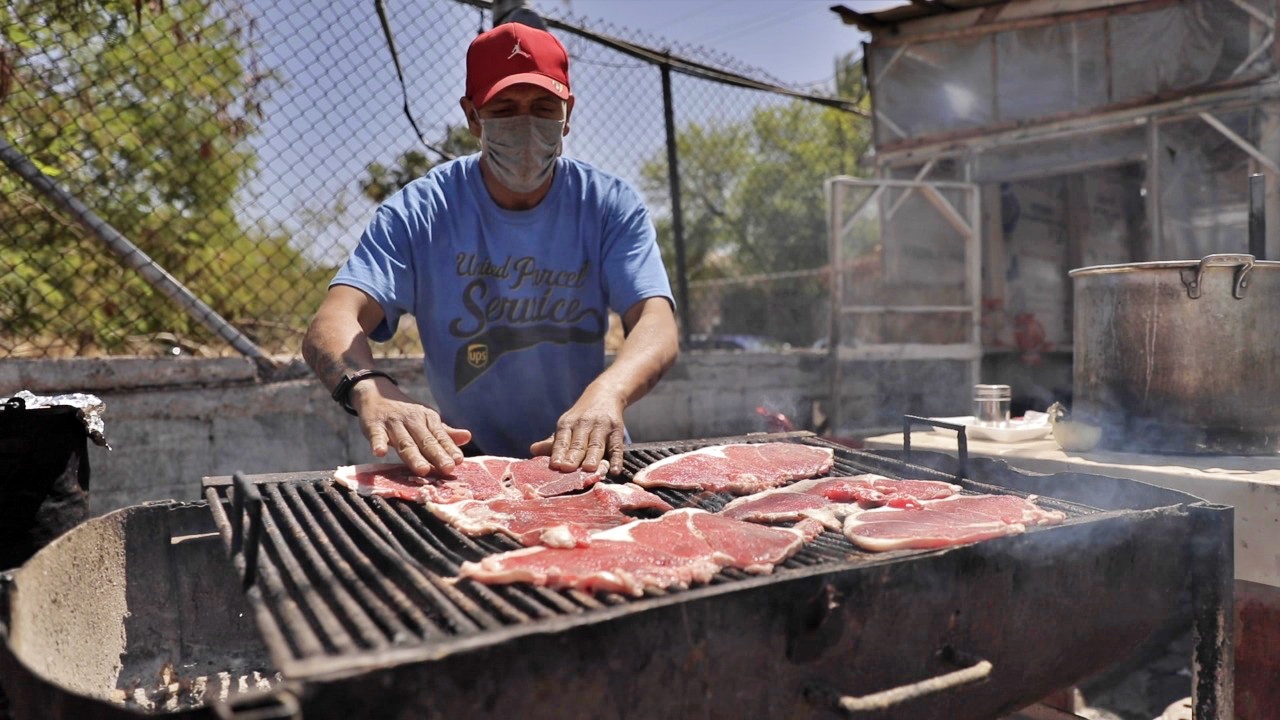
[172,422]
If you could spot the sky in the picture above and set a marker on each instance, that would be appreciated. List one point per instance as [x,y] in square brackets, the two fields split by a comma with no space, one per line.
[338,106]
[793,40]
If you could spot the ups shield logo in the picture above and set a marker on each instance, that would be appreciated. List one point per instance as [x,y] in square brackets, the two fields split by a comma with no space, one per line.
[478,355]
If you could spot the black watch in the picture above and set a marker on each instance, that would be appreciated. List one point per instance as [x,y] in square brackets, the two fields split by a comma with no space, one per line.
[342,393]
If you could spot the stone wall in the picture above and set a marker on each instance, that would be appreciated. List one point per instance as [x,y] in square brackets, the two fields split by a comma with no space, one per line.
[172,422]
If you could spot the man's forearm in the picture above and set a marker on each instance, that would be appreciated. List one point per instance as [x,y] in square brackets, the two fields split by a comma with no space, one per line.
[334,347]
[645,356]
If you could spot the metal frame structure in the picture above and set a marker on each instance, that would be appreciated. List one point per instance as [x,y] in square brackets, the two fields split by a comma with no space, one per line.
[965,221]
[1207,104]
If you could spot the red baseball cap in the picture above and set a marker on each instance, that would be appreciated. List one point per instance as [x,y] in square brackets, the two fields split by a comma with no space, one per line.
[515,54]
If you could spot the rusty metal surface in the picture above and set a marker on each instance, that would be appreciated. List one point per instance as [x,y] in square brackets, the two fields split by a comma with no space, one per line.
[1257,635]
[1180,356]
[794,643]
[130,614]
[368,581]
[352,584]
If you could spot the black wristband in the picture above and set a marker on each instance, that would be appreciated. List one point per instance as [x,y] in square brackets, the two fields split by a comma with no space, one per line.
[342,393]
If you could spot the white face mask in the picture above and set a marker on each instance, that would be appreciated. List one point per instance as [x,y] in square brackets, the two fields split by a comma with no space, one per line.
[521,150]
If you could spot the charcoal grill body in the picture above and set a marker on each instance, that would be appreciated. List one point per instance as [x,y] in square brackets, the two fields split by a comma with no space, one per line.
[1045,609]
[108,604]
[791,648]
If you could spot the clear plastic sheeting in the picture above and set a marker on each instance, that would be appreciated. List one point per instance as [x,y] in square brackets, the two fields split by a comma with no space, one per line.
[907,255]
[1177,48]
[1060,155]
[1204,187]
[922,89]
[926,89]
[1067,62]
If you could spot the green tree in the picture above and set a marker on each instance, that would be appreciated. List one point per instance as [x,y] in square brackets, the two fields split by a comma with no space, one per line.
[144,115]
[753,204]
[382,182]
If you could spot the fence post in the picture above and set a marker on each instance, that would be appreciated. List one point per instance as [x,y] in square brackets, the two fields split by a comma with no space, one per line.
[132,256]
[677,218]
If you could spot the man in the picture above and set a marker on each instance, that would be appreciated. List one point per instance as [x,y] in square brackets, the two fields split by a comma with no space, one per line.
[509,261]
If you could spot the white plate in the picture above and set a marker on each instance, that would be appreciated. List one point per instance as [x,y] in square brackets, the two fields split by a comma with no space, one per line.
[1019,429]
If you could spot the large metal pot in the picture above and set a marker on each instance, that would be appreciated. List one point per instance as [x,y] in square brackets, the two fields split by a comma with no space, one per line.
[1180,357]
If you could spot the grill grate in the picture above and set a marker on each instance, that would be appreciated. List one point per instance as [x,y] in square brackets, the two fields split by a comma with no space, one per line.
[339,574]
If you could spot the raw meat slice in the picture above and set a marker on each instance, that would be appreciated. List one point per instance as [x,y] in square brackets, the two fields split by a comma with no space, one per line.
[741,468]
[386,479]
[475,478]
[753,548]
[676,550]
[563,521]
[829,499]
[535,478]
[941,523]
[620,566]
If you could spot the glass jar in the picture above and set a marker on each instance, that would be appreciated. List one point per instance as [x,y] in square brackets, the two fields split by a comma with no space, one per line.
[991,405]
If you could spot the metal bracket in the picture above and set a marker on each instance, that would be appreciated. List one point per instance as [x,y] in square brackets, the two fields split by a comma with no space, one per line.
[1193,278]
[962,441]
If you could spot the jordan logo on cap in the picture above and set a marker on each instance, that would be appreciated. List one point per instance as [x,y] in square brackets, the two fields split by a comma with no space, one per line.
[518,51]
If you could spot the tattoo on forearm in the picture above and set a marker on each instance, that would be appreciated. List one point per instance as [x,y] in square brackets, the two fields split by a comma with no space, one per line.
[330,368]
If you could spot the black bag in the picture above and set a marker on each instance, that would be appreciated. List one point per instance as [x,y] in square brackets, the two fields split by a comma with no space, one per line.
[44,478]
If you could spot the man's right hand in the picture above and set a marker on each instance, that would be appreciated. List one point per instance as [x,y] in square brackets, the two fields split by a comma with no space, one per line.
[391,419]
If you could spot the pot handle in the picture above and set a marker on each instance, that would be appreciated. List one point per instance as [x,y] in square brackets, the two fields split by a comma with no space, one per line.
[877,702]
[1193,279]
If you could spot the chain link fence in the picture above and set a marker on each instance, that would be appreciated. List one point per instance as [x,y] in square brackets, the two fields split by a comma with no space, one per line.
[243,144]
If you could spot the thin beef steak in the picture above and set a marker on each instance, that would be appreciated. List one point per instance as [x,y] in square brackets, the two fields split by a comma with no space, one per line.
[680,548]
[829,499]
[535,478]
[953,521]
[563,521]
[476,478]
[740,469]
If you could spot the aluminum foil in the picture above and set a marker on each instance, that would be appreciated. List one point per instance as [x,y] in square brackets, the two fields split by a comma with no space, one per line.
[89,409]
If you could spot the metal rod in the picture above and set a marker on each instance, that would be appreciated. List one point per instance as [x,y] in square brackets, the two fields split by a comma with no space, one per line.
[335,633]
[132,256]
[962,441]
[1212,602]
[886,699]
[677,216]
[380,575]
[835,256]
[248,504]
[1059,126]
[1154,204]
[1258,216]
[322,534]
[368,632]
[422,547]
[514,593]
[494,597]
[1240,142]
[426,581]
[272,634]
[921,174]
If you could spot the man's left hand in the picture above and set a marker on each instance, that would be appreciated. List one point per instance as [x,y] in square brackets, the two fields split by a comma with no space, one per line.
[589,433]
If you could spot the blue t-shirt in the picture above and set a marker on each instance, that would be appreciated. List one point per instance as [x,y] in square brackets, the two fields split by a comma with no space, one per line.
[511,305]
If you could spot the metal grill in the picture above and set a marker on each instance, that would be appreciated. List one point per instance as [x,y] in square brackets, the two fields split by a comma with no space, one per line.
[336,575]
